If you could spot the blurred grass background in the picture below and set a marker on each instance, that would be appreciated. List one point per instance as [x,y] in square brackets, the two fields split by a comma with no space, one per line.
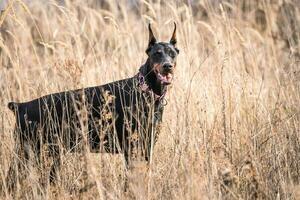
[231,126]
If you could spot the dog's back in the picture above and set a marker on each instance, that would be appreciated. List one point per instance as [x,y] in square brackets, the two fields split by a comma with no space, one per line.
[114,107]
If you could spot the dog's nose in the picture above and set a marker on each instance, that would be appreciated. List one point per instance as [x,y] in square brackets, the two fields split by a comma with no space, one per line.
[167,66]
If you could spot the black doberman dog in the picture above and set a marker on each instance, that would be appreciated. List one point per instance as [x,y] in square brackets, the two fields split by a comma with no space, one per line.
[116,117]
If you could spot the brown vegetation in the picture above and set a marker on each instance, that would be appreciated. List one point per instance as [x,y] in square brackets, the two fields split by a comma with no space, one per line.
[231,128]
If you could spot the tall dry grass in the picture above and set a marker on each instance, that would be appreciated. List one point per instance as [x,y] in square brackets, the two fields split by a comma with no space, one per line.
[231,126]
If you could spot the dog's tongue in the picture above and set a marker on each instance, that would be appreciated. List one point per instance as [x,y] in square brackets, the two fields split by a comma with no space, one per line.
[169,77]
[166,78]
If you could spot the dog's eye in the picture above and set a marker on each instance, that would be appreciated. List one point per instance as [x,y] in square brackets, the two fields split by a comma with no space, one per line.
[172,54]
[158,53]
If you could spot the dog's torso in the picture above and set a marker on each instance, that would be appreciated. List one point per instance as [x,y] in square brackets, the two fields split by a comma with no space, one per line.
[115,117]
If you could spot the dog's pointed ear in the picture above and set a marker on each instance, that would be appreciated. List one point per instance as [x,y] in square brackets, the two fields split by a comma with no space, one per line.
[173,40]
[152,39]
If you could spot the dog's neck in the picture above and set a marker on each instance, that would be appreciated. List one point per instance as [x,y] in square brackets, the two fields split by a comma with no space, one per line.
[151,79]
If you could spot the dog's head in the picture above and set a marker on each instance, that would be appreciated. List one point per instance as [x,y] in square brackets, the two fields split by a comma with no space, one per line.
[162,57]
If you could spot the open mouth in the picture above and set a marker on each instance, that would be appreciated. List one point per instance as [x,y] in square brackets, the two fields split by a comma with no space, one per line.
[165,78]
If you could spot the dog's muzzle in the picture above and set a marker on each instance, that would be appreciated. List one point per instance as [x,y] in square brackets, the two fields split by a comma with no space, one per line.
[164,73]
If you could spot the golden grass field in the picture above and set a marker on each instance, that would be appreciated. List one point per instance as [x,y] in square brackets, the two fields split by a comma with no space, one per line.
[231,128]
